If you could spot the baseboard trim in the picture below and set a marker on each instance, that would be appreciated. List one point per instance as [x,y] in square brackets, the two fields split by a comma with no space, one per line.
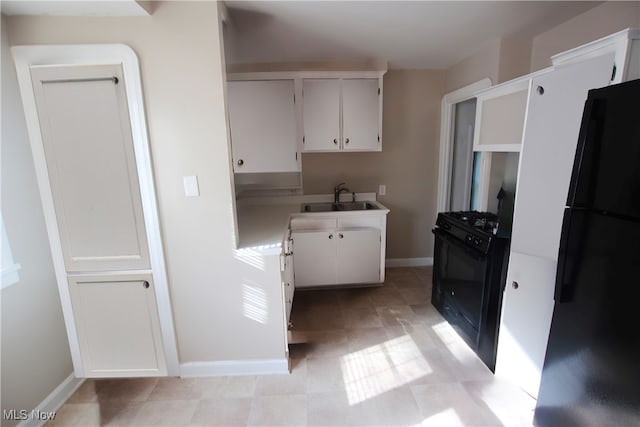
[53,401]
[234,367]
[408,262]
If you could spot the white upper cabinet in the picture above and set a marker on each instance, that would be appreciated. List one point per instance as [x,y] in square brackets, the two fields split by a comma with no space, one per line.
[500,114]
[360,115]
[321,114]
[342,114]
[262,118]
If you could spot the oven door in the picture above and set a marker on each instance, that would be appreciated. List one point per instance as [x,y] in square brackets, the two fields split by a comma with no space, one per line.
[459,274]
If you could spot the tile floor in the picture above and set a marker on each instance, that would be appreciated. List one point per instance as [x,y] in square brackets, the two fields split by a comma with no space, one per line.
[370,356]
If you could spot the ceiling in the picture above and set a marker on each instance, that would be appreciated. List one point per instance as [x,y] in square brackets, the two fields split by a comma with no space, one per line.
[407,34]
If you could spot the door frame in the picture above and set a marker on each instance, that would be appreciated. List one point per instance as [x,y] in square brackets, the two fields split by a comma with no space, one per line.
[447,122]
[93,54]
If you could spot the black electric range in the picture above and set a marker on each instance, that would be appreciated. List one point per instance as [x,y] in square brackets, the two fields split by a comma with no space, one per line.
[469,272]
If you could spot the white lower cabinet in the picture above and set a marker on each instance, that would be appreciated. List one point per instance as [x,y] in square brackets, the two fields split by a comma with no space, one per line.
[358,258]
[117,324]
[336,257]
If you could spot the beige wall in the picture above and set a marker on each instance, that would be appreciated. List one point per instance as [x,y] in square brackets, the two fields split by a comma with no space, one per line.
[35,353]
[600,21]
[515,58]
[179,49]
[407,165]
[482,64]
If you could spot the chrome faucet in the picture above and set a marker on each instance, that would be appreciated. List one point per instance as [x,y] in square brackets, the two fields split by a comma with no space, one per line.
[337,190]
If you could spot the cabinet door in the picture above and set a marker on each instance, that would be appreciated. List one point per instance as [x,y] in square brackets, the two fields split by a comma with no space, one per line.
[263,126]
[86,134]
[526,318]
[316,253]
[549,145]
[117,324]
[288,278]
[321,114]
[360,115]
[358,256]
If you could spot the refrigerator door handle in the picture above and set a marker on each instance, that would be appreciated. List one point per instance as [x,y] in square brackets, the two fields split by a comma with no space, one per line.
[564,288]
[585,165]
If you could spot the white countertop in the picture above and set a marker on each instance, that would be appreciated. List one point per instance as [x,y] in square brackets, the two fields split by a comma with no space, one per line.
[262,222]
[263,227]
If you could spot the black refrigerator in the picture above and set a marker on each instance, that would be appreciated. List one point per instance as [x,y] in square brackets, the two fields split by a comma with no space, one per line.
[591,373]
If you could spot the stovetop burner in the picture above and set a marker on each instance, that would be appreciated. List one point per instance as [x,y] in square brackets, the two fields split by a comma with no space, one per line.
[485,221]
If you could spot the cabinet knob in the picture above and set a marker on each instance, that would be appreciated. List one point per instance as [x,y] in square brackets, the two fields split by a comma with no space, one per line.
[540,90]
[331,236]
[515,285]
[341,235]
[346,141]
[335,141]
[145,284]
[240,162]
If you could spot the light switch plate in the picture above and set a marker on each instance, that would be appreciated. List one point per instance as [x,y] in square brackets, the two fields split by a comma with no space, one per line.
[382,190]
[191,186]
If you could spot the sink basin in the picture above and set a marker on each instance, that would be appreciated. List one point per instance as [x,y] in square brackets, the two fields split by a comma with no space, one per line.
[337,207]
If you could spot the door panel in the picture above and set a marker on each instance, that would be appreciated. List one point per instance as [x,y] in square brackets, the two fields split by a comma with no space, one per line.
[526,319]
[358,259]
[316,253]
[263,126]
[321,114]
[86,134]
[549,146]
[117,324]
[360,114]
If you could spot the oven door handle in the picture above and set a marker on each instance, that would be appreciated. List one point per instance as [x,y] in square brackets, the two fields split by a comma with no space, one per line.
[456,242]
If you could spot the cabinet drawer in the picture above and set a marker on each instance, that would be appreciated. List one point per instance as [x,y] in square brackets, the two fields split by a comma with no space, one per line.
[298,224]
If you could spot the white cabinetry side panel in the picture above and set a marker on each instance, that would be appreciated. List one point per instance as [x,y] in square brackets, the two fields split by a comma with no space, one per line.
[88,145]
[551,136]
[360,115]
[358,256]
[118,327]
[321,114]
[315,262]
[263,126]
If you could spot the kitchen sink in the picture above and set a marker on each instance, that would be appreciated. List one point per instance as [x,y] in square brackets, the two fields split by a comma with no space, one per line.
[337,207]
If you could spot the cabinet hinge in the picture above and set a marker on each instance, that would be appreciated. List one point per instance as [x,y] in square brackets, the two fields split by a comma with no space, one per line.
[378,91]
[613,72]
[378,138]
[294,98]
[303,139]
[296,156]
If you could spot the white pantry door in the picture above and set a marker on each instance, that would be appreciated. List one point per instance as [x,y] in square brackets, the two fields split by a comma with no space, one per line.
[90,160]
[551,132]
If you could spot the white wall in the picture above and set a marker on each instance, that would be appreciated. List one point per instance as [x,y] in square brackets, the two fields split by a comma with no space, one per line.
[35,353]
[180,53]
[598,22]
